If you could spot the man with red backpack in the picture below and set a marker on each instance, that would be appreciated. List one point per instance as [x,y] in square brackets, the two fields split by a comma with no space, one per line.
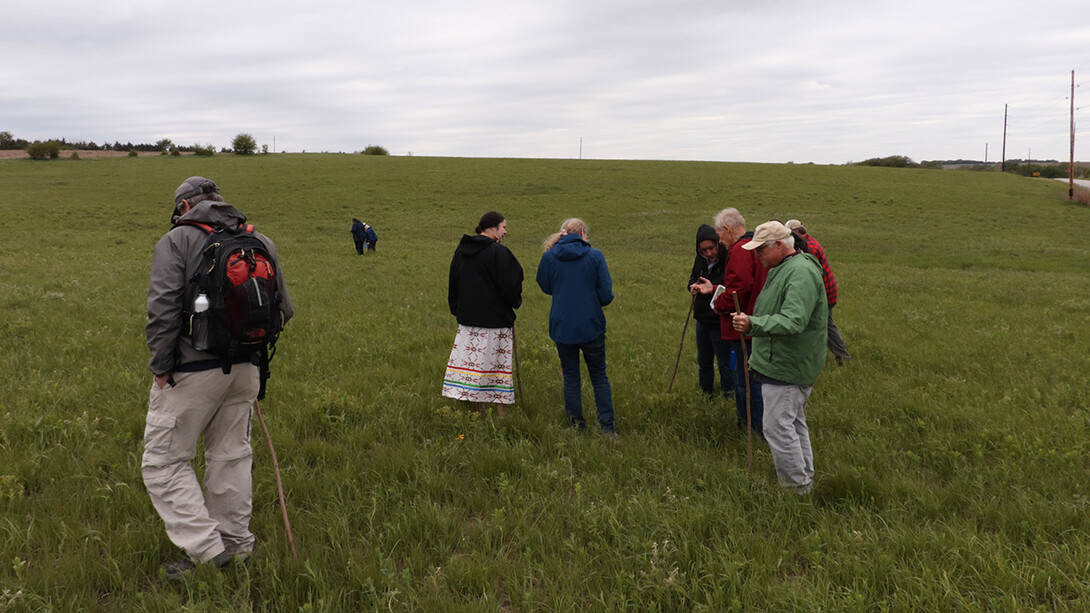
[216,302]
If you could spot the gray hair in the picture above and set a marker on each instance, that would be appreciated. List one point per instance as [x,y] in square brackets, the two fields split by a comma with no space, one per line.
[729,218]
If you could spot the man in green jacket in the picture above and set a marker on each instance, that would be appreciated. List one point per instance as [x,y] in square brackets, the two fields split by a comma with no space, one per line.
[789,330]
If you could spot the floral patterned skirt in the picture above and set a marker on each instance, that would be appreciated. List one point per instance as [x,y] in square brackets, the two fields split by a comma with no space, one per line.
[479,369]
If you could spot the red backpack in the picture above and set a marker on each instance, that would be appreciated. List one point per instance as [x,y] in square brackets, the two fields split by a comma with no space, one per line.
[237,277]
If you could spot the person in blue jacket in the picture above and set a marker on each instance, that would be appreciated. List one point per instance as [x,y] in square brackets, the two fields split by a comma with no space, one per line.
[372,238]
[576,276]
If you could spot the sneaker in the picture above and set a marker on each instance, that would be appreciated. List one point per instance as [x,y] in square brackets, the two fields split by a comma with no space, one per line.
[611,434]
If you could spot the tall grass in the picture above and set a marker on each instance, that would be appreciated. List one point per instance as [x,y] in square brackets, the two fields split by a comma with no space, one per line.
[951,454]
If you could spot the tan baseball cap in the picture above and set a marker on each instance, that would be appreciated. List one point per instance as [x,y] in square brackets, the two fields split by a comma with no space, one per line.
[767,232]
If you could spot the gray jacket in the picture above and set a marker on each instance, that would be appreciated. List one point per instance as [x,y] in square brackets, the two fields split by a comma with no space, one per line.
[173,264]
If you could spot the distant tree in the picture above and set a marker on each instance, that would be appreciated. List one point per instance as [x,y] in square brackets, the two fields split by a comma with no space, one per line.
[7,141]
[375,150]
[48,150]
[893,161]
[264,149]
[133,153]
[206,150]
[244,144]
[163,144]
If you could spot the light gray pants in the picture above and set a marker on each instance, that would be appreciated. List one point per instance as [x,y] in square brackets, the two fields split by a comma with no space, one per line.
[787,435]
[217,407]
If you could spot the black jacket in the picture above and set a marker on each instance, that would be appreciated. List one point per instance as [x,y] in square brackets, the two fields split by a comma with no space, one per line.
[712,271]
[485,283]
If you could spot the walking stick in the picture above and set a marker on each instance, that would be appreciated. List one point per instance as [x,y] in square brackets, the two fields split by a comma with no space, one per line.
[279,485]
[684,331]
[518,370]
[745,373]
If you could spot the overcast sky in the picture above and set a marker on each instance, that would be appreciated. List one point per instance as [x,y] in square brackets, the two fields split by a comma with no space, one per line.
[761,81]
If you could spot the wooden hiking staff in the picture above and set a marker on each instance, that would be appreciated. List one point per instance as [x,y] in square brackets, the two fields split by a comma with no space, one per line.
[518,370]
[279,484]
[684,331]
[745,373]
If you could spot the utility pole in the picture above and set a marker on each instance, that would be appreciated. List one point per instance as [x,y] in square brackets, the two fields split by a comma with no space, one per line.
[1071,168]
[985,154]
[1003,158]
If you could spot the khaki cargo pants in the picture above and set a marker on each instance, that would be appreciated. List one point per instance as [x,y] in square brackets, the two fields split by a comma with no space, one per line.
[217,407]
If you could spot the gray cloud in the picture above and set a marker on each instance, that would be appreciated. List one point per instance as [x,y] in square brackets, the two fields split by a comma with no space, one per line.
[684,79]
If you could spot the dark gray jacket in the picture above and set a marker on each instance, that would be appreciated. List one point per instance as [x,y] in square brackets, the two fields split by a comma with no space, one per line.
[170,291]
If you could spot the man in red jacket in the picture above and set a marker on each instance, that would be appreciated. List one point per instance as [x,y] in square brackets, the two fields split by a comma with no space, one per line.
[745,275]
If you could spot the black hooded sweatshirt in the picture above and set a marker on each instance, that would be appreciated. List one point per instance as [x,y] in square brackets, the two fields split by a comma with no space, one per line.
[712,271]
[485,283]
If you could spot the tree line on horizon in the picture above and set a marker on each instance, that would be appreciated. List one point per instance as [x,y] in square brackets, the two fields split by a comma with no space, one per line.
[10,142]
[242,144]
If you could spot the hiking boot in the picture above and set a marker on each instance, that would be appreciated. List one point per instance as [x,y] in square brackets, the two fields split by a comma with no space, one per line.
[178,569]
[223,559]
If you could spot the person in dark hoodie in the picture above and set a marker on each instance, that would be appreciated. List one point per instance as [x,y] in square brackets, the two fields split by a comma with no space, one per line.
[359,235]
[576,276]
[484,290]
[711,259]
[744,274]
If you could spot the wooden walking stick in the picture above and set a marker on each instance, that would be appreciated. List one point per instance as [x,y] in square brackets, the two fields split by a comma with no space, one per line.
[518,370]
[279,484]
[684,331]
[745,373]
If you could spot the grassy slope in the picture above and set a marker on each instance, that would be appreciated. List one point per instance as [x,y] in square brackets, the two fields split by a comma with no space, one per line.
[951,455]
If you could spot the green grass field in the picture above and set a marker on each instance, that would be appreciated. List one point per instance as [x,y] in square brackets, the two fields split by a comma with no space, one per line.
[951,455]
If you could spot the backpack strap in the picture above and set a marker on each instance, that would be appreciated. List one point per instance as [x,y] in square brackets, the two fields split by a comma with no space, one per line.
[247,228]
[187,222]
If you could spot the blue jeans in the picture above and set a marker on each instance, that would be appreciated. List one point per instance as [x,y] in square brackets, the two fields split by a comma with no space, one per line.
[710,347]
[756,403]
[594,353]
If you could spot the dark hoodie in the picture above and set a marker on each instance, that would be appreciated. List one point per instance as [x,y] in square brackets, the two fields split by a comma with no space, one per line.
[712,271]
[485,283]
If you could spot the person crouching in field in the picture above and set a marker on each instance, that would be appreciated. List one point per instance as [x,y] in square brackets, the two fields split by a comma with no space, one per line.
[576,276]
[484,290]
[711,259]
[788,327]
